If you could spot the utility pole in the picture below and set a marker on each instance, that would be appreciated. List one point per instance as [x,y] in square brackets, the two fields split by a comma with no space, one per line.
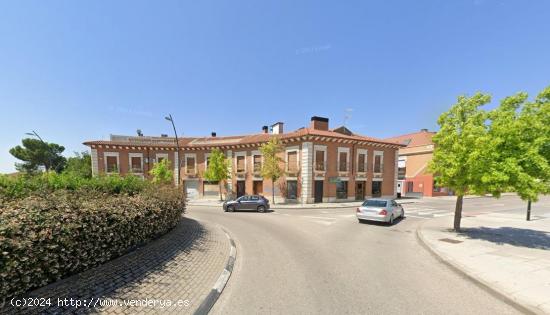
[170,119]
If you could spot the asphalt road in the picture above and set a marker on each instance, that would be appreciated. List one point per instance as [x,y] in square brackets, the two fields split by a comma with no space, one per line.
[323,261]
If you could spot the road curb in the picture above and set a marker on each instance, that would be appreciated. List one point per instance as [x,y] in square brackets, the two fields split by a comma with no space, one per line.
[216,291]
[478,282]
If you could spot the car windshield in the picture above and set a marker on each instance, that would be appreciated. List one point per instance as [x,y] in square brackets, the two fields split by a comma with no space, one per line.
[375,203]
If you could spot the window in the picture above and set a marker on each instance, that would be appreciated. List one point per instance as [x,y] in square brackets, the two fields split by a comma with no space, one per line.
[375,203]
[240,163]
[257,163]
[292,189]
[190,165]
[361,163]
[112,164]
[342,190]
[254,198]
[159,159]
[292,161]
[401,168]
[343,162]
[410,186]
[319,160]
[378,162]
[135,164]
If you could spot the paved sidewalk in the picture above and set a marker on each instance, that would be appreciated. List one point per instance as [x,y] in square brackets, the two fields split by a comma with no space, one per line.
[182,265]
[501,251]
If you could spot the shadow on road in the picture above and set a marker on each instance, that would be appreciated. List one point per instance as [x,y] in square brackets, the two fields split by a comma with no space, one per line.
[376,223]
[512,236]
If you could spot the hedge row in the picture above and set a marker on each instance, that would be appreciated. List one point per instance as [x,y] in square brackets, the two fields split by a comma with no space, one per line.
[46,237]
[13,187]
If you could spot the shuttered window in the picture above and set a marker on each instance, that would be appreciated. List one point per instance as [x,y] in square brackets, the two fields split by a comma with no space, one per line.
[240,163]
[257,163]
[378,164]
[136,164]
[319,160]
[361,163]
[292,158]
[190,165]
[343,167]
[112,164]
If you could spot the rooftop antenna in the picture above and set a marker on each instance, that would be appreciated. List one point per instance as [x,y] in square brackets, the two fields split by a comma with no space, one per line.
[347,115]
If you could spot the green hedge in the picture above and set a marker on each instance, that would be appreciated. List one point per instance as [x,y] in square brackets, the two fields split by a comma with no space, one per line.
[45,237]
[14,187]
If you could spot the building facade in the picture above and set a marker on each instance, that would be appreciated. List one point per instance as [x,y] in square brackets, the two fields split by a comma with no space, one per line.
[320,164]
[414,178]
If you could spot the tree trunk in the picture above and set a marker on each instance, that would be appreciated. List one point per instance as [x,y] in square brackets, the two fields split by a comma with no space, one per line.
[220,190]
[458,213]
[529,210]
[273,190]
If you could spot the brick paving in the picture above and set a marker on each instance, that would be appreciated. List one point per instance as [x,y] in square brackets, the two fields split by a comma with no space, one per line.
[181,266]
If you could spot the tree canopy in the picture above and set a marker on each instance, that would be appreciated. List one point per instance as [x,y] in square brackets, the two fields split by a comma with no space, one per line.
[217,169]
[271,166]
[161,172]
[80,165]
[35,153]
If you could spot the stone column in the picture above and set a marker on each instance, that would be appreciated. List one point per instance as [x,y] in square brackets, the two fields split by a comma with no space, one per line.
[95,167]
[176,171]
[229,156]
[307,172]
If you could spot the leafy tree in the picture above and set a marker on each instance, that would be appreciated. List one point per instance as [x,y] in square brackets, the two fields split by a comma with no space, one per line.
[35,153]
[458,155]
[271,167]
[521,132]
[218,168]
[80,165]
[161,172]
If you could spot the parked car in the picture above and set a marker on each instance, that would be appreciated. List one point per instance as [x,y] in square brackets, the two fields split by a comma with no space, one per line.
[381,210]
[248,202]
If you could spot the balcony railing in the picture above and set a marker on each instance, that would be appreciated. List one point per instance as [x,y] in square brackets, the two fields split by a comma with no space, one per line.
[136,170]
[320,166]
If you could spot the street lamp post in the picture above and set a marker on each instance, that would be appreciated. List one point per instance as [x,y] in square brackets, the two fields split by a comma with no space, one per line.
[170,119]
[33,133]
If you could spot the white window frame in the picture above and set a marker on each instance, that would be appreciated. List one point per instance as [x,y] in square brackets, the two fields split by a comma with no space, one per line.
[320,148]
[381,154]
[346,150]
[190,155]
[292,149]
[115,154]
[366,153]
[133,155]
[241,153]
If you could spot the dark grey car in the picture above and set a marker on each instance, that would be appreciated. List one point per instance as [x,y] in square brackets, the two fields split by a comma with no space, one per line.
[247,203]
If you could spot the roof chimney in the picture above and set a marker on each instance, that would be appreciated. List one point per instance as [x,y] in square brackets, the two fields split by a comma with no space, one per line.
[319,123]
[164,135]
[213,134]
[423,130]
[265,129]
[277,128]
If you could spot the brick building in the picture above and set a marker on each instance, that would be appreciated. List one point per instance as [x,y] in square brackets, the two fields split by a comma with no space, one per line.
[321,165]
[414,179]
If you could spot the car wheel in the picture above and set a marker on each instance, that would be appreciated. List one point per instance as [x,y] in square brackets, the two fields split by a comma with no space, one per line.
[361,220]
[261,209]
[390,222]
[403,214]
[230,209]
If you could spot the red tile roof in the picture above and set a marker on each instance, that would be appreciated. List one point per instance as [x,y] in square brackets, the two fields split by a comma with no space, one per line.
[197,142]
[414,139]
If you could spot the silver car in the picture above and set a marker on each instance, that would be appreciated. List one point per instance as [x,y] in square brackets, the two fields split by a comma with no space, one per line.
[381,210]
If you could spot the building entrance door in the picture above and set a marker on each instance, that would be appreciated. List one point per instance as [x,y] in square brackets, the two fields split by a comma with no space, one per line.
[360,191]
[376,189]
[318,191]
[241,188]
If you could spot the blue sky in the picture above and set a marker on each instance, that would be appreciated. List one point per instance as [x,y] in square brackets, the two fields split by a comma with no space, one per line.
[81,70]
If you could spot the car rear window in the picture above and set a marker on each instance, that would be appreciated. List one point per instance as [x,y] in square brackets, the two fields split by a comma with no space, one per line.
[254,198]
[375,203]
